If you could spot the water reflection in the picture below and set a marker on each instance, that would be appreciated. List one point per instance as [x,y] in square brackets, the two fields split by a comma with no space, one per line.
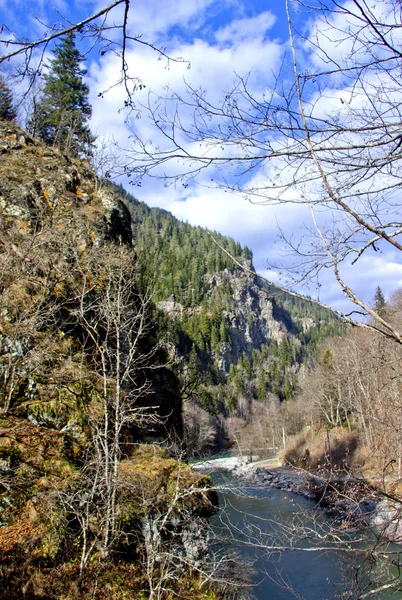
[252,516]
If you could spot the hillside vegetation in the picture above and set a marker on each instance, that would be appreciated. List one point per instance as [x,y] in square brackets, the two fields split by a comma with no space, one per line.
[84,384]
[350,407]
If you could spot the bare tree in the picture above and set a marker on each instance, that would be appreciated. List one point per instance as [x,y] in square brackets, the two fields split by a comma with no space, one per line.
[326,135]
[107,30]
[357,387]
[115,322]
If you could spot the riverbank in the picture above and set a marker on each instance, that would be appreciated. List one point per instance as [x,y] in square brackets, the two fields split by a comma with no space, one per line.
[238,465]
[357,502]
[354,500]
[267,473]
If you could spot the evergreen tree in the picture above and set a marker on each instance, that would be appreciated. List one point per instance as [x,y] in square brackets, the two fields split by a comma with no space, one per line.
[261,384]
[379,301]
[61,114]
[287,388]
[7,110]
[284,353]
[223,332]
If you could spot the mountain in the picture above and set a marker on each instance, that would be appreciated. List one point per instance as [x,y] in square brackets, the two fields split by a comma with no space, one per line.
[234,337]
[121,326]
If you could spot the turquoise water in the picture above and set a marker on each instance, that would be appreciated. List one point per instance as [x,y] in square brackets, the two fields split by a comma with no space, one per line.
[254,516]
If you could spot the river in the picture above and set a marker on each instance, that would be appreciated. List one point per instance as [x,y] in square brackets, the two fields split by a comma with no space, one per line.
[246,509]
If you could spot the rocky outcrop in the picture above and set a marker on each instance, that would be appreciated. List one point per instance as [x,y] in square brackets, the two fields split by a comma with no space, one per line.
[250,319]
[37,182]
[57,223]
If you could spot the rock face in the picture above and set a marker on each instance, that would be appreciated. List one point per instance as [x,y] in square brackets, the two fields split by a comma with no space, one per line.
[57,224]
[37,182]
[174,310]
[250,319]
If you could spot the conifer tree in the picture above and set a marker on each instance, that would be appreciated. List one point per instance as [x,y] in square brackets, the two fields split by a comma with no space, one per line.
[60,117]
[379,301]
[7,110]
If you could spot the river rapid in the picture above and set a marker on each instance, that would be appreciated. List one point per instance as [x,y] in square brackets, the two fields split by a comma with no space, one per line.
[252,515]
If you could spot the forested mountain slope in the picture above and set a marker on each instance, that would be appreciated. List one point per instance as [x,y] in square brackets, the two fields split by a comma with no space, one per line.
[235,338]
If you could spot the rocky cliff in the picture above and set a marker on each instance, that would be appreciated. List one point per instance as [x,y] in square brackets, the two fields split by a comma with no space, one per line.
[250,318]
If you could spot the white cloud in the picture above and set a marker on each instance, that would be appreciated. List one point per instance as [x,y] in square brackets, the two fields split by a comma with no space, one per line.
[153,18]
[212,68]
[244,47]
[243,29]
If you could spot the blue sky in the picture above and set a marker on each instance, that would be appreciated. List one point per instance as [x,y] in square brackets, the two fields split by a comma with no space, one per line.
[221,40]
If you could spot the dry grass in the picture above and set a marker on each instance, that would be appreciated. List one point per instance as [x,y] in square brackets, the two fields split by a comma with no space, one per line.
[324,451]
